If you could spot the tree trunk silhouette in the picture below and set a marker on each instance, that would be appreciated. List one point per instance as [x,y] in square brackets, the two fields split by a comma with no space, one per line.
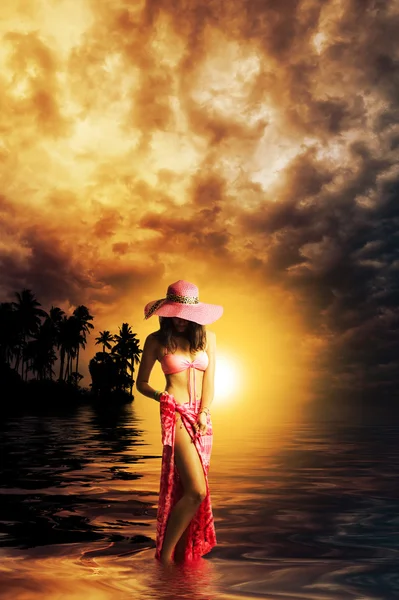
[22,358]
[77,363]
[62,360]
[131,379]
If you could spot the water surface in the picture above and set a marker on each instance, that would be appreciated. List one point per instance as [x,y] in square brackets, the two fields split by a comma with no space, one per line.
[306,510]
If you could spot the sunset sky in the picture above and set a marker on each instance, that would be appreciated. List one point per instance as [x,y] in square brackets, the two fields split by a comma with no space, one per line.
[248,146]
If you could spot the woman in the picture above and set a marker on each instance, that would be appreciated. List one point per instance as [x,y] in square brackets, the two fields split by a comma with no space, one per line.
[186,352]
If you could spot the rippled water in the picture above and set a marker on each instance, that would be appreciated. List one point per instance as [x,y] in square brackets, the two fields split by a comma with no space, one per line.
[302,511]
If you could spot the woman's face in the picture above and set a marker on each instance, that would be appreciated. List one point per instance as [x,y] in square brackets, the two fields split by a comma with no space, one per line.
[179,324]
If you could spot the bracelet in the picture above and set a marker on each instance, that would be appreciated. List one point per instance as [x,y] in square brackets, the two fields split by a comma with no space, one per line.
[205,410]
[157,395]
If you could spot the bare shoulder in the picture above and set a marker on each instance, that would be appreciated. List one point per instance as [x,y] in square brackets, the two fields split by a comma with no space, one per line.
[152,341]
[152,337]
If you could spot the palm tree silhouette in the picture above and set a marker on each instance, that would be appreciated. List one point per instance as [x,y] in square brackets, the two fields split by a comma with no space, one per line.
[105,338]
[40,353]
[68,336]
[30,339]
[28,316]
[53,322]
[10,338]
[126,347]
[62,341]
[83,317]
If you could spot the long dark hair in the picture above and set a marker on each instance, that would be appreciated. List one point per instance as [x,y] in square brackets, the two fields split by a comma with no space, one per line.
[194,333]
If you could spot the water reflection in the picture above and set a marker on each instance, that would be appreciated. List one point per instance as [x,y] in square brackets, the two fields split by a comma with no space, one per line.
[66,477]
[197,582]
[301,511]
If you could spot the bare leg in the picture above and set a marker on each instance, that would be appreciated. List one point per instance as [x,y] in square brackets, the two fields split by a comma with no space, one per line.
[181,545]
[192,477]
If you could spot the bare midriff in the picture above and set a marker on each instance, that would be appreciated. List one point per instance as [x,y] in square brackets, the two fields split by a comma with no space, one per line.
[177,386]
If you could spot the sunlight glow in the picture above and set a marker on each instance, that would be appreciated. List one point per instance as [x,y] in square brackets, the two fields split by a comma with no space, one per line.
[226,77]
[226,378]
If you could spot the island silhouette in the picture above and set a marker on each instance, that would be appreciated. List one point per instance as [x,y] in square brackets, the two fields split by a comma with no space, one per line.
[40,351]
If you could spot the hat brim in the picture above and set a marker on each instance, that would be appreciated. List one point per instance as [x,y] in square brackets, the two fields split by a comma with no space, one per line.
[201,313]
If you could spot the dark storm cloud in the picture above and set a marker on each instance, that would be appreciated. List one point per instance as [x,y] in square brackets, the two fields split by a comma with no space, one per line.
[201,229]
[349,282]
[58,273]
[190,236]
[45,266]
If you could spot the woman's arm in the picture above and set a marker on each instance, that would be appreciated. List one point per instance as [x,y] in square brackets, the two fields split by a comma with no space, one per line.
[208,381]
[148,358]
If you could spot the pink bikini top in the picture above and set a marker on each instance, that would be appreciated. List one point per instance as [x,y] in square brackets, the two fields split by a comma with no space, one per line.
[174,363]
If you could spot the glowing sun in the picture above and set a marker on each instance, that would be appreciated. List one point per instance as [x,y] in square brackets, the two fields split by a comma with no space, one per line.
[226,377]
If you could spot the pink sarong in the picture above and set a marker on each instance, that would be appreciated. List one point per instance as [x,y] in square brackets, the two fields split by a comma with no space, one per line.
[201,537]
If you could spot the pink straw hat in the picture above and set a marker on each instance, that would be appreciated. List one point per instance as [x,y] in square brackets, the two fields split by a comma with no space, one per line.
[182,301]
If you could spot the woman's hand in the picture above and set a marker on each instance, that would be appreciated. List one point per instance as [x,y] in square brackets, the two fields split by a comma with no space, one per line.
[201,425]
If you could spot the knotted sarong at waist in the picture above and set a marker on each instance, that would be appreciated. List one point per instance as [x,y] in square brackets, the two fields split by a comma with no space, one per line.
[201,537]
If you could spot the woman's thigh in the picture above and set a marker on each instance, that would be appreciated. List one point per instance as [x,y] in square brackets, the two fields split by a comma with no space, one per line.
[188,462]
